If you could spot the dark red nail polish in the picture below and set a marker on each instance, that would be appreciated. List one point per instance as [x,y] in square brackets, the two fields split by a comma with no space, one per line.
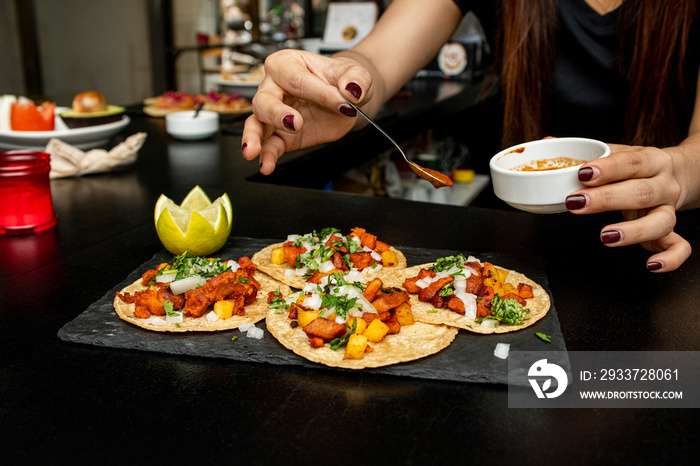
[575,201]
[348,110]
[354,89]
[243,147]
[610,236]
[585,174]
[288,122]
[654,265]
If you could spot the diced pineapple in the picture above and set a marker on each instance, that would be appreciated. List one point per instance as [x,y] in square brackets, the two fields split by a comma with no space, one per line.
[389,259]
[360,325]
[355,348]
[509,288]
[502,275]
[277,256]
[223,308]
[404,315]
[301,298]
[376,331]
[304,316]
[490,276]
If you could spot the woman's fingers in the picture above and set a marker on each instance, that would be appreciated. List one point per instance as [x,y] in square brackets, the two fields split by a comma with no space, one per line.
[298,104]
[630,179]
[673,251]
[655,223]
[625,163]
[640,181]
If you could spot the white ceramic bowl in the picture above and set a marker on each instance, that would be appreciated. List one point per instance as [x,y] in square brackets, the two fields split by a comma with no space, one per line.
[544,191]
[183,125]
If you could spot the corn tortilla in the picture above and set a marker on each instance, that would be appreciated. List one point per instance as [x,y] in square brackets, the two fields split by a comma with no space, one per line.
[412,342]
[254,312]
[425,312]
[262,260]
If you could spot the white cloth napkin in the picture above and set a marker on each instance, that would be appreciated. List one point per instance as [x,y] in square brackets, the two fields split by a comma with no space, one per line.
[67,160]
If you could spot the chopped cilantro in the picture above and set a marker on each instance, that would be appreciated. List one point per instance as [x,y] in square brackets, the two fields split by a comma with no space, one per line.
[169,310]
[184,266]
[508,311]
[432,311]
[446,263]
[235,337]
[544,337]
[340,304]
[338,342]
[446,291]
[279,304]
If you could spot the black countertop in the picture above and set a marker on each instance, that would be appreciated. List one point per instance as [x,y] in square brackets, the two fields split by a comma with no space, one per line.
[64,401]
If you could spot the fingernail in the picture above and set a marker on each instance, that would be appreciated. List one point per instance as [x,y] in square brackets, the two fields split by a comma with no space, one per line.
[654,265]
[354,89]
[288,122]
[348,110]
[610,236]
[585,174]
[575,201]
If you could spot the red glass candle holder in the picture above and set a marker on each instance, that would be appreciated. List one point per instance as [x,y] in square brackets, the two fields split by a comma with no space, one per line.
[25,192]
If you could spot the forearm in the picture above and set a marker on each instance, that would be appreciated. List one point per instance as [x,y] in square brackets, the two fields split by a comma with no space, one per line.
[686,161]
[407,36]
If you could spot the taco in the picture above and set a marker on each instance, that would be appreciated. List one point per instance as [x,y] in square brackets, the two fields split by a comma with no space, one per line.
[198,294]
[354,326]
[310,257]
[466,293]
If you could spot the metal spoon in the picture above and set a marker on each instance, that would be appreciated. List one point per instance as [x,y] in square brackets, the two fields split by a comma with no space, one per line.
[437,179]
[197,109]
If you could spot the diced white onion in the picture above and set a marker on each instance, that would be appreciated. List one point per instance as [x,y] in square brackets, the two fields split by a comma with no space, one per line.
[212,316]
[293,238]
[422,283]
[301,271]
[501,350]
[174,319]
[326,266]
[470,307]
[310,287]
[166,278]
[313,302]
[153,320]
[254,332]
[186,284]
[354,276]
[245,327]
[233,265]
[489,323]
[340,320]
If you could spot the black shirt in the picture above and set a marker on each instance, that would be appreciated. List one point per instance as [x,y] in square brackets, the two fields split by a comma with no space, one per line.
[590,91]
[589,94]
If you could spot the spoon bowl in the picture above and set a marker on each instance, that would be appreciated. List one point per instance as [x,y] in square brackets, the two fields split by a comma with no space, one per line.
[437,179]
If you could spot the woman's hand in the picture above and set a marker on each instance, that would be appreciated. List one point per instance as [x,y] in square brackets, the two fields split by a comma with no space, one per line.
[298,104]
[643,183]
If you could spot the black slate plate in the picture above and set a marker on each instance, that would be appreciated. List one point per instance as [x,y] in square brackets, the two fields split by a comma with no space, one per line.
[468,359]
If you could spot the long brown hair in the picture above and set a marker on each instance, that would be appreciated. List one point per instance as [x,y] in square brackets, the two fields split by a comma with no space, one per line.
[653,41]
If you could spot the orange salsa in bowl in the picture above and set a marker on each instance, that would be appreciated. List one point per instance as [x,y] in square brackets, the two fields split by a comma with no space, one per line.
[548,164]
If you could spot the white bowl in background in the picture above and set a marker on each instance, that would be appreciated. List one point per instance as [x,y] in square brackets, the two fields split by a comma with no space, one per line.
[542,191]
[183,125]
